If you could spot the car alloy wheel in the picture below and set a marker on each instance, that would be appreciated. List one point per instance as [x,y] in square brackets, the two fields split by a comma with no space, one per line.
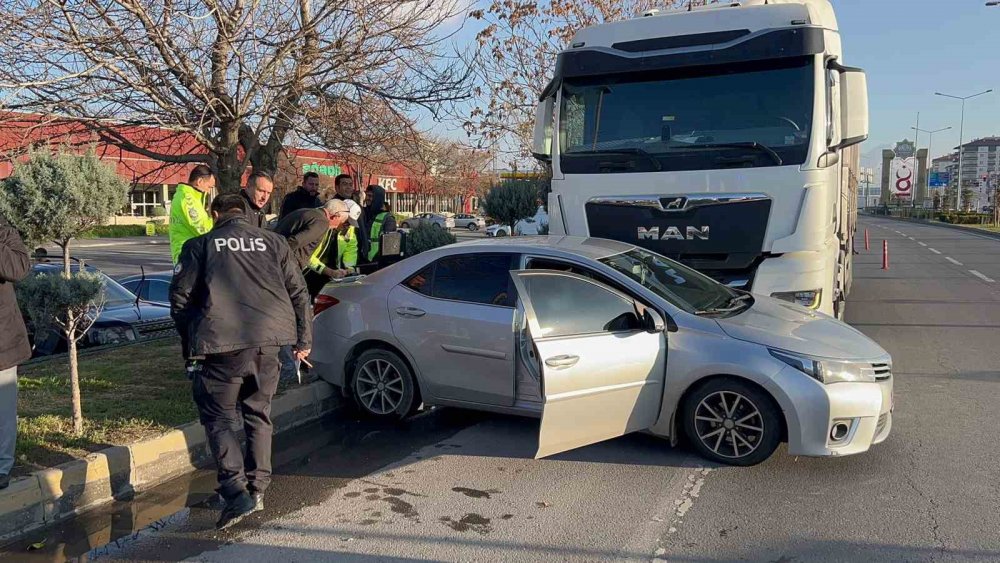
[383,386]
[731,422]
[473,227]
[501,233]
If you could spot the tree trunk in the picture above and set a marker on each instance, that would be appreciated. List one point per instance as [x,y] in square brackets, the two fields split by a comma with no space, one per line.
[66,263]
[229,164]
[74,379]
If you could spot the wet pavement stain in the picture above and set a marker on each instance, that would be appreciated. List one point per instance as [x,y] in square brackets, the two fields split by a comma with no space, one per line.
[368,522]
[352,495]
[371,490]
[475,522]
[506,516]
[373,497]
[400,506]
[475,493]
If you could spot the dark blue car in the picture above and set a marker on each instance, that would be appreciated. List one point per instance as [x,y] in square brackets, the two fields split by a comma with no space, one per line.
[125,318]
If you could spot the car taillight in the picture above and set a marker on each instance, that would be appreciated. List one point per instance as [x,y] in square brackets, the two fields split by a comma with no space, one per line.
[324,302]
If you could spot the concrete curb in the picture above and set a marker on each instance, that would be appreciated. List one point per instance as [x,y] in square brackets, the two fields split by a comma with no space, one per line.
[50,495]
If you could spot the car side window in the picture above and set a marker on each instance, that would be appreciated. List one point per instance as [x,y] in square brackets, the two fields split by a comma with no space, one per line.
[475,278]
[158,291]
[421,281]
[555,300]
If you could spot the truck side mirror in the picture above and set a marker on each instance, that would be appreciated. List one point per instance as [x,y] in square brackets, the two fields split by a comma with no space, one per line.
[853,106]
[541,146]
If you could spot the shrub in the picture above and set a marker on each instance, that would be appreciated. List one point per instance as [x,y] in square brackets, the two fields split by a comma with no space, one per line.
[159,212]
[426,237]
[509,202]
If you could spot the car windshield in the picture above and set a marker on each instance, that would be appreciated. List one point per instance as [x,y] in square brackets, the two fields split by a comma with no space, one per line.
[114,294]
[754,114]
[678,284]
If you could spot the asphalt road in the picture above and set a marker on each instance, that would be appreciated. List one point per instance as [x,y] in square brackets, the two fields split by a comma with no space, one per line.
[455,485]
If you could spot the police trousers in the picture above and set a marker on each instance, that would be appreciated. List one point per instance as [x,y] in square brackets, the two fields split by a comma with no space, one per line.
[232,390]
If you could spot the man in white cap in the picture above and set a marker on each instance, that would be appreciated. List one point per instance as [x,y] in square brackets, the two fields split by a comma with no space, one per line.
[312,235]
[348,238]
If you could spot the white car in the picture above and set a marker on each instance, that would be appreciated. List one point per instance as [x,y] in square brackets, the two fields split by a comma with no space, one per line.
[529,226]
[599,339]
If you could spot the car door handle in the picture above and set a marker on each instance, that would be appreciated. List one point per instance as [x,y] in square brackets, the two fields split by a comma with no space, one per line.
[410,312]
[562,362]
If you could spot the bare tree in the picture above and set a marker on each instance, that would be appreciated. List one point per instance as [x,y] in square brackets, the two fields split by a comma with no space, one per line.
[237,75]
[516,58]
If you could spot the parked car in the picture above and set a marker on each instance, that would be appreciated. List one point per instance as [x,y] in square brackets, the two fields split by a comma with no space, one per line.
[471,222]
[151,288]
[607,339]
[529,226]
[437,219]
[497,230]
[124,318]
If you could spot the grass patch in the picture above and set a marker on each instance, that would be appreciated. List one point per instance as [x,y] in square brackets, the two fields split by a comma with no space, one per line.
[128,394]
[122,231]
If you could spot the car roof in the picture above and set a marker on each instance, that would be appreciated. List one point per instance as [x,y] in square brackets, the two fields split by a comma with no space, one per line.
[591,248]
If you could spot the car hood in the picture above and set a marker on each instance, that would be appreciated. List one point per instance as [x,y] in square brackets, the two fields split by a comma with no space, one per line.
[779,324]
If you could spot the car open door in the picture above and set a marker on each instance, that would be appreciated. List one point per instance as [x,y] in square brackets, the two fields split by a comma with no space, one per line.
[602,357]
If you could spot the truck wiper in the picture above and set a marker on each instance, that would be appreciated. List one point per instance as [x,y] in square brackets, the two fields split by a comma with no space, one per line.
[747,145]
[735,304]
[626,151]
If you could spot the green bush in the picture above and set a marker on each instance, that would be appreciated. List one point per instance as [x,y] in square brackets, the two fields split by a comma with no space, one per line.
[426,237]
[963,218]
[159,212]
[510,201]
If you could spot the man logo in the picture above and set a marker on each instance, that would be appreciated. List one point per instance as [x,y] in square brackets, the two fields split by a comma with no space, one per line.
[673,203]
[673,233]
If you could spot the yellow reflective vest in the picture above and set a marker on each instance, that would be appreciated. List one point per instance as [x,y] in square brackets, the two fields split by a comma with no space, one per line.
[188,218]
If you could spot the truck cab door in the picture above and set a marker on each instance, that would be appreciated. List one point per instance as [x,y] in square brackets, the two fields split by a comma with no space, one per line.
[602,357]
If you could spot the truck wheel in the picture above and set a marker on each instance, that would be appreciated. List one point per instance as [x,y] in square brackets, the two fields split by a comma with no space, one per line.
[729,421]
[383,387]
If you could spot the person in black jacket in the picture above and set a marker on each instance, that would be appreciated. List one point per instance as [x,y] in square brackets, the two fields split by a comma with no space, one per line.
[256,194]
[14,346]
[237,296]
[305,197]
[312,238]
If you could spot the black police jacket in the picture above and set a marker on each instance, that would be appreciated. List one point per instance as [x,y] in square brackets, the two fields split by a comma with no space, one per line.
[238,287]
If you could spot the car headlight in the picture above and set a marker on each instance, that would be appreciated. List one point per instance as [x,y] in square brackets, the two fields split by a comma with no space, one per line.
[808,298]
[827,371]
[112,335]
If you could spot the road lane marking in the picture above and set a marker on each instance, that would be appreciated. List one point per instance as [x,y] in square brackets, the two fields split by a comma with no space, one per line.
[911,238]
[952,260]
[934,251]
[981,276]
[922,243]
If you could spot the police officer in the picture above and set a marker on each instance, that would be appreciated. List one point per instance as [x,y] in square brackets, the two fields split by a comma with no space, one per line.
[188,216]
[379,217]
[237,296]
[344,185]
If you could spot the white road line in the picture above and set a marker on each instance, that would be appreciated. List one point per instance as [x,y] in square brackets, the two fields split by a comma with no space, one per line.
[922,243]
[981,276]
[934,251]
[911,238]
[952,260]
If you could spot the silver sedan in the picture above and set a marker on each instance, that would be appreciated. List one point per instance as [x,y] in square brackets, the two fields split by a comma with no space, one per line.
[599,339]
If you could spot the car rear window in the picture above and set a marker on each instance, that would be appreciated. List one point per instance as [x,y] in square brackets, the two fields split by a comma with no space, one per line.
[472,278]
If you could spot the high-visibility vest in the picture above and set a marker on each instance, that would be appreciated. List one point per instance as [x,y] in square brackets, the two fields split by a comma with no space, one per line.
[347,249]
[376,231]
[316,263]
[188,218]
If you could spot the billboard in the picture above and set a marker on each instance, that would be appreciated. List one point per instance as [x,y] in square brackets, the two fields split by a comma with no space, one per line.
[902,176]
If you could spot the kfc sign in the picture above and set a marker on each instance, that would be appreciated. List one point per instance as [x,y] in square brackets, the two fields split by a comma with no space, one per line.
[388,183]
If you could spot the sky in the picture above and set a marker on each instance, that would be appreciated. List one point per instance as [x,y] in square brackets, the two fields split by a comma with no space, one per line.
[911,49]
[914,48]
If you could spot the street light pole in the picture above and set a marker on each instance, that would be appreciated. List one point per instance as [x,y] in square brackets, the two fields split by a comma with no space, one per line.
[961,141]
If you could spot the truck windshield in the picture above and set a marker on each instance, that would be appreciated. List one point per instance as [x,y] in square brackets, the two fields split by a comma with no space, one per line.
[678,284]
[748,115]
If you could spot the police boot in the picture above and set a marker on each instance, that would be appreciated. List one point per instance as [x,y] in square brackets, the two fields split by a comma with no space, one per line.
[235,510]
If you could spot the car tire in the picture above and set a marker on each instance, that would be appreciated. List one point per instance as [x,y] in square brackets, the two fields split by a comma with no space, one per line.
[473,227]
[501,233]
[753,422]
[438,225]
[383,387]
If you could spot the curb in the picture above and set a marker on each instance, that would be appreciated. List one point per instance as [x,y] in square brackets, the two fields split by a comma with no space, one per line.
[117,473]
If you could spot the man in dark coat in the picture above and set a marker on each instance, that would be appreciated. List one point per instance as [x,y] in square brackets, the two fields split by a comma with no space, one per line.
[256,194]
[237,297]
[14,346]
[305,197]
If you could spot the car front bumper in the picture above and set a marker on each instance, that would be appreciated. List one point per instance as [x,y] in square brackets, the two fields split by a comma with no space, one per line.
[812,409]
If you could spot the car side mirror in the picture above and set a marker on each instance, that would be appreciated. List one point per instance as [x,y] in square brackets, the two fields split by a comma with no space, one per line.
[853,106]
[541,145]
[652,322]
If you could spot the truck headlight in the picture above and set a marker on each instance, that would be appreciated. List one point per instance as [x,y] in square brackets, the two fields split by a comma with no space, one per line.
[827,371]
[808,298]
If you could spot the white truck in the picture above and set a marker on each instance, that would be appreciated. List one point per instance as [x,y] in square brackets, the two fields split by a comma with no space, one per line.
[725,136]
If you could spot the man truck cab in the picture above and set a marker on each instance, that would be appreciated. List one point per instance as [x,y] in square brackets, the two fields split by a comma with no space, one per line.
[724,136]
